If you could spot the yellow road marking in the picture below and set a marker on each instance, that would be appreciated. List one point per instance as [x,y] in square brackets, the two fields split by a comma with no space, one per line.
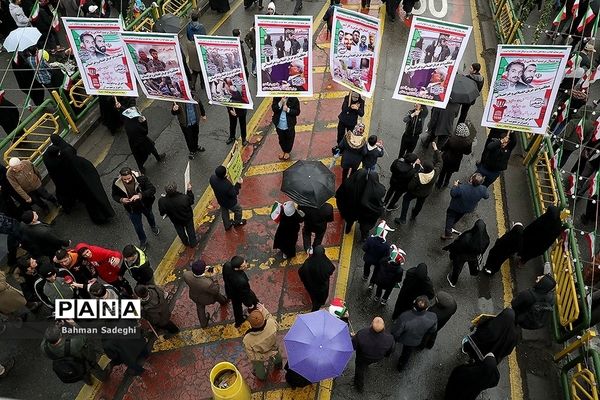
[265,169]
[514,372]
[320,70]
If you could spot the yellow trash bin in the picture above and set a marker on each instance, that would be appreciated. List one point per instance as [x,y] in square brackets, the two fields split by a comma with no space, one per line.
[227,383]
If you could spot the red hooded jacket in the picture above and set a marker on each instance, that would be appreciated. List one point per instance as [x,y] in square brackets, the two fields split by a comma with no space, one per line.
[99,260]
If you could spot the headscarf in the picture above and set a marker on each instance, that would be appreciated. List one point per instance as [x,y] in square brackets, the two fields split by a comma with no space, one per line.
[539,235]
[467,381]
[462,130]
[416,283]
[444,308]
[545,285]
[382,229]
[195,28]
[289,208]
[472,242]
[356,138]
[498,335]
[317,269]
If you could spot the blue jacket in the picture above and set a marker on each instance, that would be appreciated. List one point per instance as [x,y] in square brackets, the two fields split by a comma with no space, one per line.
[466,196]
[375,249]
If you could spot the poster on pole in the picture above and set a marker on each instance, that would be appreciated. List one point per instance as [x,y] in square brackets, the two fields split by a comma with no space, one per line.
[354,53]
[100,56]
[431,61]
[221,63]
[524,87]
[284,55]
[158,65]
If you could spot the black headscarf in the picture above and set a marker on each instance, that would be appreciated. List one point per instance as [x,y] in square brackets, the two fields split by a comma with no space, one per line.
[498,335]
[510,243]
[545,285]
[466,382]
[416,283]
[444,308]
[473,242]
[316,270]
[539,235]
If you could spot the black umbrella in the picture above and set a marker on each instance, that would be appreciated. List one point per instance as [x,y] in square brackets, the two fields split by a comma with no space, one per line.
[464,90]
[168,23]
[308,183]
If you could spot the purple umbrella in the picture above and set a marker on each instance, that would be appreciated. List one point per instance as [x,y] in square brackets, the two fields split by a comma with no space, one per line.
[318,346]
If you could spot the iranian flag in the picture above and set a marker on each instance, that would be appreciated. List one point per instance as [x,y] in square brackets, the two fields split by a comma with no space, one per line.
[562,15]
[590,240]
[564,110]
[593,190]
[35,11]
[587,18]
[103,8]
[571,185]
[596,134]
[575,9]
[579,130]
[555,160]
[55,21]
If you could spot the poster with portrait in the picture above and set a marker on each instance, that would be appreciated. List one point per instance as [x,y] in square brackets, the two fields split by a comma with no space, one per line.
[100,56]
[431,61]
[158,65]
[524,87]
[284,55]
[222,67]
[354,54]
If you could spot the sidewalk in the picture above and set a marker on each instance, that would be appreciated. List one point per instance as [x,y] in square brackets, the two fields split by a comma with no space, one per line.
[180,366]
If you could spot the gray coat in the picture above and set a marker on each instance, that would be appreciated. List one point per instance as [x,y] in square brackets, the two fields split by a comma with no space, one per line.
[203,290]
[413,326]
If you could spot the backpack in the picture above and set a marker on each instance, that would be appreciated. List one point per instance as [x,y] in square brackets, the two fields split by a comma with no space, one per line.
[68,368]
[537,315]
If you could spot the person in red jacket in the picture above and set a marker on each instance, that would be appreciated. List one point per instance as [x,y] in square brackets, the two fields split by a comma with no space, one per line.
[107,263]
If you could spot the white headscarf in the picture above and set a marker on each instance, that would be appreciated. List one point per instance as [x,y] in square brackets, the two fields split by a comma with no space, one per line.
[289,208]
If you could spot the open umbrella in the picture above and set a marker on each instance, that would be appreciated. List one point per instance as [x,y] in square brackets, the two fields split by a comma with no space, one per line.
[168,23]
[308,183]
[464,90]
[318,346]
[21,38]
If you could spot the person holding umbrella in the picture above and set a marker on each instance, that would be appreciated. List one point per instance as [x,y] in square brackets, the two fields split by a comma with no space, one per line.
[260,341]
[286,235]
[315,274]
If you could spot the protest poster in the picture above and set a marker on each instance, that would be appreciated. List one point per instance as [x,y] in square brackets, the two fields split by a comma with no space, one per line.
[100,56]
[524,85]
[284,55]
[225,79]
[354,53]
[431,61]
[235,166]
[158,65]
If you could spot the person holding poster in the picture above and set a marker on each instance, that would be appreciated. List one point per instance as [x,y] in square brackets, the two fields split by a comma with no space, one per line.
[188,115]
[431,61]
[235,115]
[524,86]
[284,63]
[285,111]
[354,50]
[353,107]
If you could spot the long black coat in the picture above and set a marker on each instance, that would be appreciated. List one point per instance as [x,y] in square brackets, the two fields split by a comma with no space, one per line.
[508,244]
[286,235]
[9,116]
[471,244]
[25,78]
[498,335]
[60,173]
[137,136]
[237,286]
[387,274]
[467,381]
[453,151]
[539,235]
[416,283]
[315,274]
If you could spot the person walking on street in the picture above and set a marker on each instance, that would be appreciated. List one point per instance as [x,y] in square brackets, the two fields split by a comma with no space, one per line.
[498,335]
[533,307]
[138,264]
[188,115]
[403,169]
[315,274]
[467,248]
[26,180]
[476,77]
[441,124]
[178,207]
[125,350]
[539,235]
[506,246]
[353,107]
[353,148]
[285,111]
[286,235]
[374,151]
[455,147]
[467,381]
[226,194]
[414,121]
[495,157]
[388,272]
[73,358]
[412,327]
[204,289]
[372,345]
[421,186]
[155,308]
[195,27]
[236,33]
[464,200]
[444,307]
[315,221]
[136,128]
[136,193]
[260,342]
[237,287]
[416,283]
[250,40]
[376,249]
[38,238]
[235,115]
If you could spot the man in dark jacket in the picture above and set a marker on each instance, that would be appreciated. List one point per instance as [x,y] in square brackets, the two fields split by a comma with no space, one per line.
[127,350]
[464,200]
[372,344]
[226,194]
[137,263]
[412,327]
[420,186]
[203,289]
[136,193]
[476,77]
[315,221]
[188,115]
[237,287]
[533,307]
[178,207]
[155,308]
[38,238]
[403,169]
[495,157]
